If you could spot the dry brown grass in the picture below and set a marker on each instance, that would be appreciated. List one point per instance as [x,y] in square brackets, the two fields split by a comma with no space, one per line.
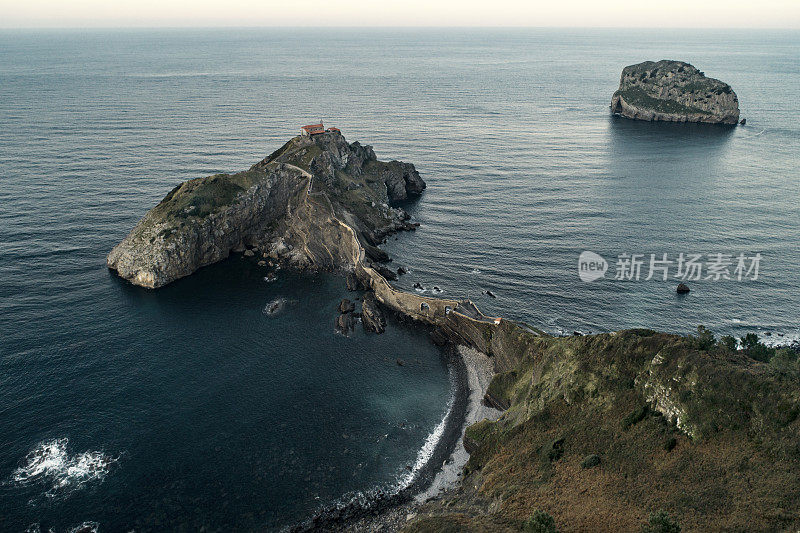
[739,474]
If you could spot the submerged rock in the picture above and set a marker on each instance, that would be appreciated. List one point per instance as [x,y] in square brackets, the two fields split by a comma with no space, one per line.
[276,306]
[673,91]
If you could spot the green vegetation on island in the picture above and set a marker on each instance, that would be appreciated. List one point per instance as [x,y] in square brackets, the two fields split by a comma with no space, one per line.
[673,91]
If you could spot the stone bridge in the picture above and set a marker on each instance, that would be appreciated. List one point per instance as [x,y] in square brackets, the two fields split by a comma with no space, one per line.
[459,320]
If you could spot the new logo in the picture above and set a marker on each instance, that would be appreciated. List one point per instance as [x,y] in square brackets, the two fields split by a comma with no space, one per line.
[591,266]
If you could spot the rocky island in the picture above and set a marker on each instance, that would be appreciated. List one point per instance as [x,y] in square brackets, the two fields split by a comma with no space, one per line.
[673,91]
[293,207]
[625,431]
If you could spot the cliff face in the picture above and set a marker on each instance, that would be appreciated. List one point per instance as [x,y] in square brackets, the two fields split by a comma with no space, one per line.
[349,166]
[673,91]
[291,207]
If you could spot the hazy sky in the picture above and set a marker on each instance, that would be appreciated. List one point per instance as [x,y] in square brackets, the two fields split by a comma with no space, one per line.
[614,13]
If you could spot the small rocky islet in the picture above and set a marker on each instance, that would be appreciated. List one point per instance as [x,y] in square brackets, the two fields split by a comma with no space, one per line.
[599,432]
[673,91]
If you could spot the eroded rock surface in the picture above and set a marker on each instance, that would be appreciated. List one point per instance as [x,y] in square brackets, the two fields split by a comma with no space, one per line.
[371,315]
[298,206]
[673,91]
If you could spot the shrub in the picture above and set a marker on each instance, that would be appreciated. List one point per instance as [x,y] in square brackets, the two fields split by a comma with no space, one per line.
[749,341]
[554,450]
[756,349]
[785,360]
[661,522]
[728,342]
[635,416]
[704,340]
[590,461]
[540,522]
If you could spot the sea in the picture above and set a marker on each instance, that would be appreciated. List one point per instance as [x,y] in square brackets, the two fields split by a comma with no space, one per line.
[193,407]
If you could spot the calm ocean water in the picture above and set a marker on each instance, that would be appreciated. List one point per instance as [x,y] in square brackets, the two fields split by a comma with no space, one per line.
[189,406]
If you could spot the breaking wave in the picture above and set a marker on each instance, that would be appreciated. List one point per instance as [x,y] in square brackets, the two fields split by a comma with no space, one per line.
[51,464]
[428,448]
[86,527]
[371,502]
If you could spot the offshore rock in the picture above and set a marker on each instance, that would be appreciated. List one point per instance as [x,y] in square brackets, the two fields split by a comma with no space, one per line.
[345,323]
[346,306]
[386,273]
[673,91]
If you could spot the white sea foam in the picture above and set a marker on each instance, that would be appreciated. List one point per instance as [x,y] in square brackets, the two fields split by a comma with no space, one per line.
[424,454]
[429,447]
[51,464]
[277,305]
[780,340]
[365,499]
[86,527]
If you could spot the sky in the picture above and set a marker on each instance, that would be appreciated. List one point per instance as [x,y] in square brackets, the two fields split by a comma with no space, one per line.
[390,13]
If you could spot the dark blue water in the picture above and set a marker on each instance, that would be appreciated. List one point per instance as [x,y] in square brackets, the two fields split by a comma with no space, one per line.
[190,407]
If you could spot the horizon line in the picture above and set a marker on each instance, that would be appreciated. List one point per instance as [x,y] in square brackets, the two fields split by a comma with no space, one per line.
[400,27]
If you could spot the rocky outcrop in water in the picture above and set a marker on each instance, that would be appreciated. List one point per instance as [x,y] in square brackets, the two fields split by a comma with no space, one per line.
[298,206]
[346,306]
[673,91]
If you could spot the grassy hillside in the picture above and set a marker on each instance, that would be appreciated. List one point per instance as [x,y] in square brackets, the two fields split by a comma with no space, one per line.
[200,197]
[639,97]
[635,431]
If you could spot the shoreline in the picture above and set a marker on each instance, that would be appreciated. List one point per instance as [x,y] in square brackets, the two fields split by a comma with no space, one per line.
[479,372]
[385,510]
